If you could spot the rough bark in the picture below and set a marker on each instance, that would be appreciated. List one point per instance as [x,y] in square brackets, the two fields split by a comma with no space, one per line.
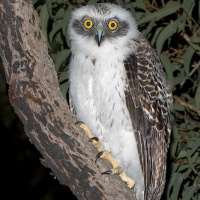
[35,96]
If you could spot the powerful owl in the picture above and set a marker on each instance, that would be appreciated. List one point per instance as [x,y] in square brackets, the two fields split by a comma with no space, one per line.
[118,89]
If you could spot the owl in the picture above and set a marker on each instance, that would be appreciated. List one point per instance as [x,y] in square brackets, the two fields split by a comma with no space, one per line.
[118,89]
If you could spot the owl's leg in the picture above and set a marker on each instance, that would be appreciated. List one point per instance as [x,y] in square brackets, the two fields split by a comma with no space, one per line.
[116,169]
[94,140]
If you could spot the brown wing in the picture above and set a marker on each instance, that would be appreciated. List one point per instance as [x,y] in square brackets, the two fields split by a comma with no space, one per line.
[148,99]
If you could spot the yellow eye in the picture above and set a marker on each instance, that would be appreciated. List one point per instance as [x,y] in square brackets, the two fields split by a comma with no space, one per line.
[88,23]
[112,25]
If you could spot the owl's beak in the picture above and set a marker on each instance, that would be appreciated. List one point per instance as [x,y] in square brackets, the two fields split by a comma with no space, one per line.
[99,36]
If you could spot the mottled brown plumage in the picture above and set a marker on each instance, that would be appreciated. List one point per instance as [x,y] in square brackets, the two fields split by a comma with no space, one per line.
[149,113]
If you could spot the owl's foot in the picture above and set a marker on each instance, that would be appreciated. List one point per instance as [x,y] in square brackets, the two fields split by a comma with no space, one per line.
[94,140]
[129,181]
[116,169]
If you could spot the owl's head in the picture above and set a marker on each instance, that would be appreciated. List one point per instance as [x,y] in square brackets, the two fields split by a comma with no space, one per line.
[102,24]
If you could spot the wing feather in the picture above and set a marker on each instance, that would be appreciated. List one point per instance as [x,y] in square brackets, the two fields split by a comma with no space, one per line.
[148,99]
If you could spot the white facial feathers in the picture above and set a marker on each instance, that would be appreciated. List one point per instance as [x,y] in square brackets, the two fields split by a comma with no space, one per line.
[101,14]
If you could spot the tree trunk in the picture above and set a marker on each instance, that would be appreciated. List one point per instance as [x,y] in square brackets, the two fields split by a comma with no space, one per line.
[35,96]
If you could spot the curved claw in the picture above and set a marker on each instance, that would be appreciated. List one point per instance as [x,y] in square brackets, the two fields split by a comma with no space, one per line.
[108,172]
[98,156]
[79,123]
[94,138]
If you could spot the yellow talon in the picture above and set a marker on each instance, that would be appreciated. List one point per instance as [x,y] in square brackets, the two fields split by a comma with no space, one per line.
[90,136]
[130,182]
[87,131]
[116,169]
[106,155]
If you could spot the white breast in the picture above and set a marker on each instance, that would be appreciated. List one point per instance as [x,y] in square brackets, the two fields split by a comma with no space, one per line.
[97,88]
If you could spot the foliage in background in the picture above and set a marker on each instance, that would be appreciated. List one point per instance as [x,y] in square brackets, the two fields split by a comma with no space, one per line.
[172,28]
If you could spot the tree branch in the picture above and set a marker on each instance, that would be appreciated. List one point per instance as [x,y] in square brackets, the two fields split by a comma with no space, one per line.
[187,105]
[35,96]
